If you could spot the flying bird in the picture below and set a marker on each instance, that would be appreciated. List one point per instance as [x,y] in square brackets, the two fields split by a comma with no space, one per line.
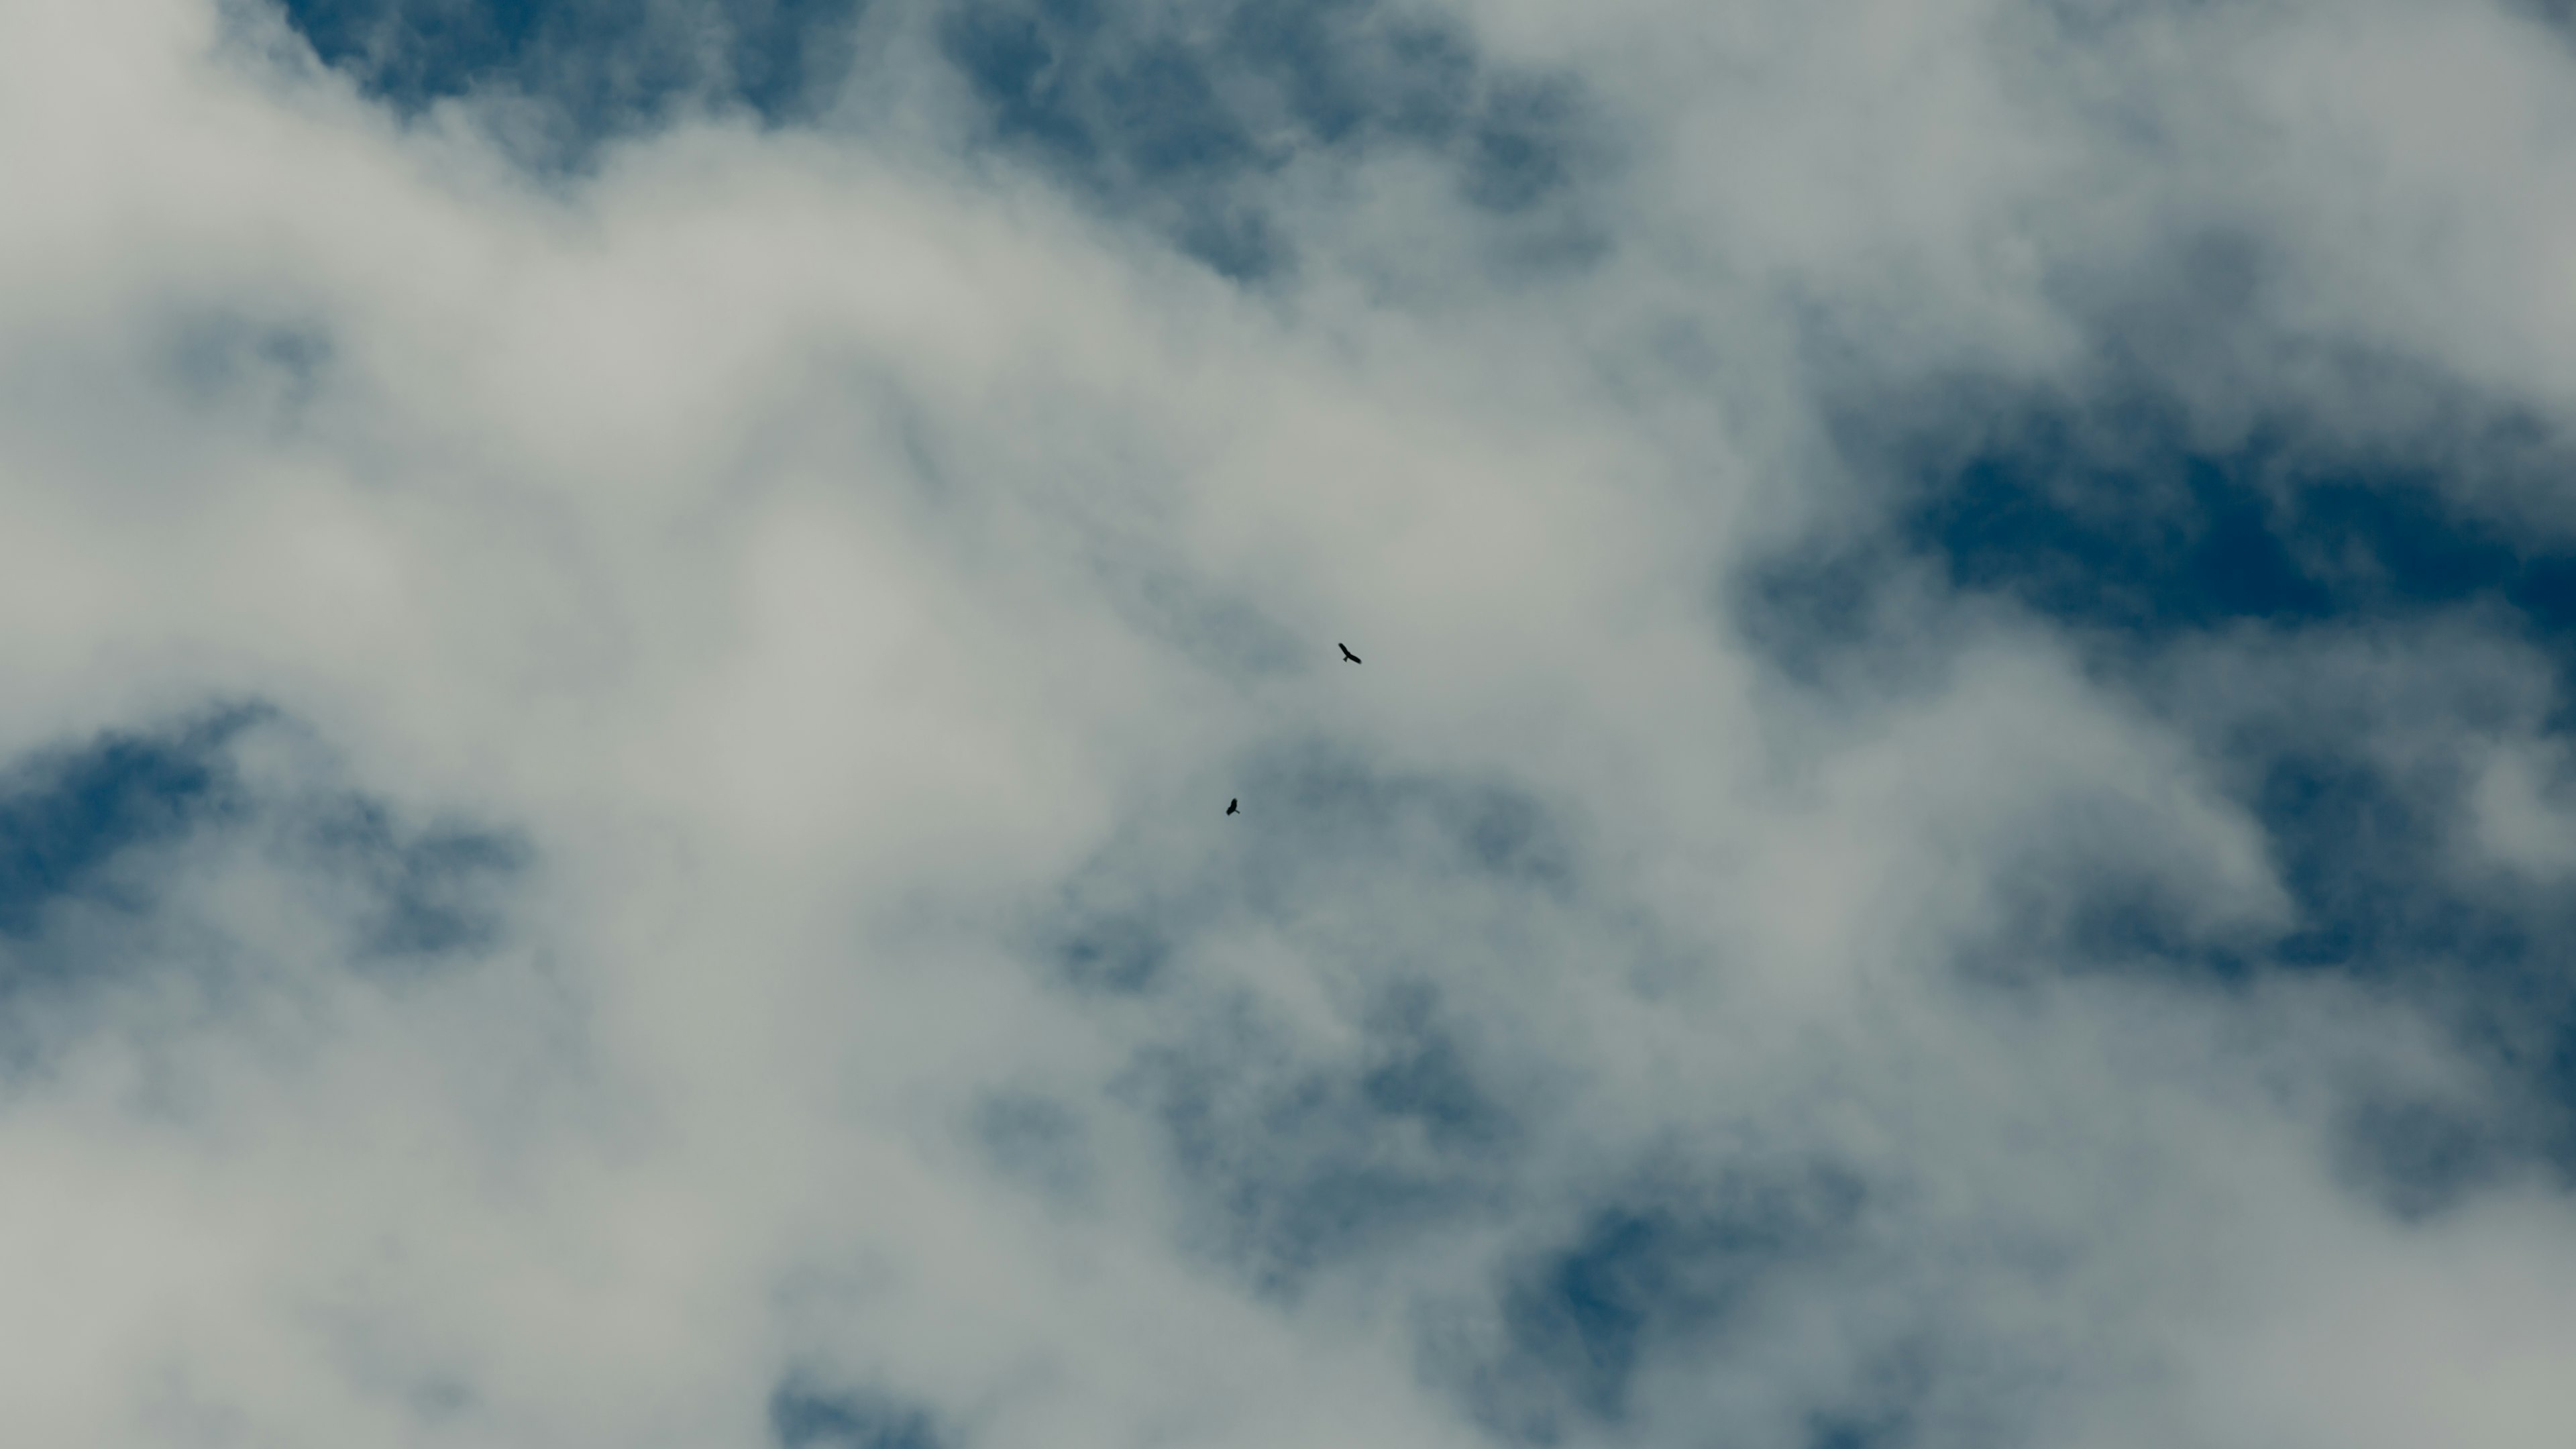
[1232,806]
[1347,654]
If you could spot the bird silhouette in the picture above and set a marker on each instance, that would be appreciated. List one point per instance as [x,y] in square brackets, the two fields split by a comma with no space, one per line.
[1233,806]
[1347,654]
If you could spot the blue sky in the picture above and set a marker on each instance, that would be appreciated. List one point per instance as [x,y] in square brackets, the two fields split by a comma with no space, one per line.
[630,625]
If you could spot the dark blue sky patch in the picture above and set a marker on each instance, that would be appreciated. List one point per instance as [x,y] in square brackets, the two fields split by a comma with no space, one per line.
[1813,604]
[1522,150]
[412,52]
[2126,553]
[1891,1404]
[1418,1072]
[1876,1429]
[440,1402]
[1123,952]
[1096,83]
[91,835]
[1161,104]
[66,815]
[2416,1157]
[788,58]
[1854,622]
[1345,68]
[1299,1158]
[224,358]
[1215,629]
[2543,589]
[1235,238]
[2361,858]
[1121,925]
[2362,853]
[1832,1433]
[2147,539]
[2112,514]
[1296,1165]
[2123,920]
[1009,55]
[2370,854]
[1664,1268]
[2558,14]
[599,68]
[433,891]
[804,1416]
[1318,824]
[2516,1017]
[1036,1142]
[2551,1067]
[1322,806]
[1178,118]
[1172,119]
[1507,834]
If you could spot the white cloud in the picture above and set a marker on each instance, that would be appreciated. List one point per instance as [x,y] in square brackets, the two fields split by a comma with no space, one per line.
[856,567]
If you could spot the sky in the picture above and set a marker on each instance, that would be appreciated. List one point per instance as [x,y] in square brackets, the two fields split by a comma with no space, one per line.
[627,627]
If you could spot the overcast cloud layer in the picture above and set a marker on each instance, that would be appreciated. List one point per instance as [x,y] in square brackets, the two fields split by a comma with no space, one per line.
[625,630]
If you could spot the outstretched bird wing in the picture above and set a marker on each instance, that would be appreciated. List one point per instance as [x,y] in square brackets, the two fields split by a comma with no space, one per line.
[1346,653]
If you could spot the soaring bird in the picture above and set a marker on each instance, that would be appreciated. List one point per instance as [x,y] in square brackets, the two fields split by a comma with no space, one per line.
[1233,806]
[1347,654]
